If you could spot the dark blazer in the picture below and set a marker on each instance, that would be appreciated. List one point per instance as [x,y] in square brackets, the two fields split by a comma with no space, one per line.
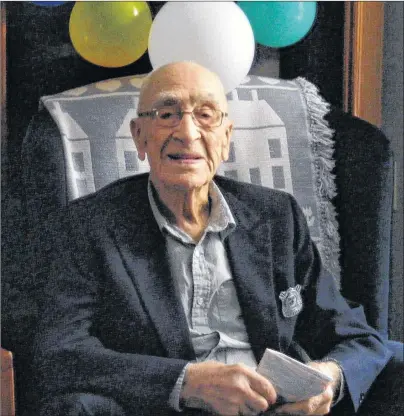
[112,321]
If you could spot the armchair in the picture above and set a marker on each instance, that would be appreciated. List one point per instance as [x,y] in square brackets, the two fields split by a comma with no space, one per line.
[286,136]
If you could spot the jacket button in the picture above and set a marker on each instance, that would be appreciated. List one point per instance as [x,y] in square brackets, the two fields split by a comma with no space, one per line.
[361,397]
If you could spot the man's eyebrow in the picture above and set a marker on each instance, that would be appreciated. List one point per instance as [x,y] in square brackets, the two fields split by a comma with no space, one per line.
[166,101]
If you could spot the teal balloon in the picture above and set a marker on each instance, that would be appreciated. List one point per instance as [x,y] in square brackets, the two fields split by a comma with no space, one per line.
[280,23]
[48,3]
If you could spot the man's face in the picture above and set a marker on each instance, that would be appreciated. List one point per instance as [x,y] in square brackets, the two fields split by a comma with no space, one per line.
[184,156]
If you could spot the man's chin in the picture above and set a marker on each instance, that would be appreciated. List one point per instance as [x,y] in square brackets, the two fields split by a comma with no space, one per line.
[185,182]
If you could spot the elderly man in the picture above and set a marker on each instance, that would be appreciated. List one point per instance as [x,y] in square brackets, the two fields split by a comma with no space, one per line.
[165,289]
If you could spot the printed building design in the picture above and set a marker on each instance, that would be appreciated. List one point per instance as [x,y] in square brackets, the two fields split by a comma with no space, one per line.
[259,142]
[77,152]
[259,151]
[126,154]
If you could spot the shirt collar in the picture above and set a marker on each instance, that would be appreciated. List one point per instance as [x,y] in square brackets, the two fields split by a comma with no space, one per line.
[221,219]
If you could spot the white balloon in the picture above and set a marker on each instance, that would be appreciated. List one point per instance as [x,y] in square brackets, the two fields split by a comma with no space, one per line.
[217,35]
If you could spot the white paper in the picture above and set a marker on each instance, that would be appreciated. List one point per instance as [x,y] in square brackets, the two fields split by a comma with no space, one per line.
[292,380]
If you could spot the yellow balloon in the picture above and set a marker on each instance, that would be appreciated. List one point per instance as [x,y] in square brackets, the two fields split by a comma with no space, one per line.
[110,33]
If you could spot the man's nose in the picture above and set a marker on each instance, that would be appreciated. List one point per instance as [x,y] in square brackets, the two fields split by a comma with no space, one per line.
[187,130]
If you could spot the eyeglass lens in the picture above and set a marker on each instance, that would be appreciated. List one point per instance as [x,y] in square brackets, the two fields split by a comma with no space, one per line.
[203,116]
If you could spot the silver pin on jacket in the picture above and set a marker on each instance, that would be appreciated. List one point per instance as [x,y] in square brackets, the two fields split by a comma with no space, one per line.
[292,302]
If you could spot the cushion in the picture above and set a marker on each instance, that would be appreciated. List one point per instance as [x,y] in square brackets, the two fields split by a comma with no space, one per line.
[280,140]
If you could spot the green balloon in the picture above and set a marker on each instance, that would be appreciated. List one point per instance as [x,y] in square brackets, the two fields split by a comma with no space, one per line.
[279,23]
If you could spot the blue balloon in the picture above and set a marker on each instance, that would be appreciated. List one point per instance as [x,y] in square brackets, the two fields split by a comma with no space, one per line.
[49,3]
[280,23]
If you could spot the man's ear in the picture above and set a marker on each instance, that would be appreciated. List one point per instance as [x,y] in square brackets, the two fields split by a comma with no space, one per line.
[139,137]
[226,142]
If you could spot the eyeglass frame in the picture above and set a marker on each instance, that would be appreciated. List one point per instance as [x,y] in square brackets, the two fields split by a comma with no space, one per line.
[154,111]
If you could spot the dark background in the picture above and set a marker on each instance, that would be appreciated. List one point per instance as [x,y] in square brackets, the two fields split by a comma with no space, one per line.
[42,61]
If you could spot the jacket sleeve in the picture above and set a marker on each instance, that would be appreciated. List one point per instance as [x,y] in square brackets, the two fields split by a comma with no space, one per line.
[329,326]
[68,354]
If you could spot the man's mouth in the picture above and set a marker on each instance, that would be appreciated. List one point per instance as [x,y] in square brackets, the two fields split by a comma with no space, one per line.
[184,157]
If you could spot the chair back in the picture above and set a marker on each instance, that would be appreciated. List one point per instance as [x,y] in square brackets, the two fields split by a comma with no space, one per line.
[285,136]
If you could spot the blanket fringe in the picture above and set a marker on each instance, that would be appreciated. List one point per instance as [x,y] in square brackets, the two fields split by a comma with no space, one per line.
[322,145]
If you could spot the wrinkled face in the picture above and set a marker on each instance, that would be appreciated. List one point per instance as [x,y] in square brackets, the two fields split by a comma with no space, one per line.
[185,156]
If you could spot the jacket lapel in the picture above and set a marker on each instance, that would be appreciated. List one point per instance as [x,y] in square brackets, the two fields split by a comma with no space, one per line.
[250,256]
[142,248]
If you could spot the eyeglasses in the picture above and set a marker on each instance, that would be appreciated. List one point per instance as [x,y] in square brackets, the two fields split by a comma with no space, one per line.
[171,116]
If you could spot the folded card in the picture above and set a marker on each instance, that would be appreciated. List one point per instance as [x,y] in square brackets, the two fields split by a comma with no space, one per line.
[292,380]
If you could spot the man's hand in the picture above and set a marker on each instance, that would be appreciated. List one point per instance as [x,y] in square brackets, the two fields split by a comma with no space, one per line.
[227,389]
[317,405]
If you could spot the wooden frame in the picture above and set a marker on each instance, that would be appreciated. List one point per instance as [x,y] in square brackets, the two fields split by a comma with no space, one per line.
[363,60]
[7,384]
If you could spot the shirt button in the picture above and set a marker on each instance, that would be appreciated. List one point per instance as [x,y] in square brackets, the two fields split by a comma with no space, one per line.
[200,301]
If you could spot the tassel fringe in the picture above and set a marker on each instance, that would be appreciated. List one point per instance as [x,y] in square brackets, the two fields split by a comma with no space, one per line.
[322,145]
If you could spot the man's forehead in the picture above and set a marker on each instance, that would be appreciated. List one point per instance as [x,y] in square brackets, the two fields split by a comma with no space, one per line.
[186,82]
[168,98]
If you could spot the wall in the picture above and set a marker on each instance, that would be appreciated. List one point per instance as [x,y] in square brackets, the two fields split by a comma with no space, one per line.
[392,99]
